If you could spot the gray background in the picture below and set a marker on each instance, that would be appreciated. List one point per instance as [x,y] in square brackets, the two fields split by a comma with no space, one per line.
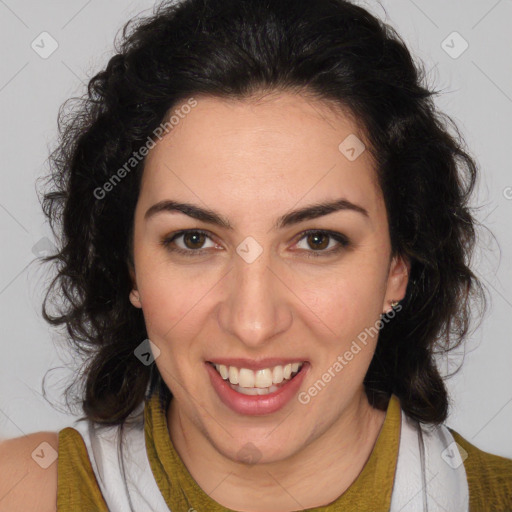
[477,93]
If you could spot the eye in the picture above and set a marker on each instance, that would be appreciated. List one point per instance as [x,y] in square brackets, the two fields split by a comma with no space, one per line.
[320,242]
[191,242]
[323,243]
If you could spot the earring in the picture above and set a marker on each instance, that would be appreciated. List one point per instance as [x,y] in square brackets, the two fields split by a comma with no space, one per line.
[394,304]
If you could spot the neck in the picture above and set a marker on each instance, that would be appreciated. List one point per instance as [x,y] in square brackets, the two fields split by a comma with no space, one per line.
[314,476]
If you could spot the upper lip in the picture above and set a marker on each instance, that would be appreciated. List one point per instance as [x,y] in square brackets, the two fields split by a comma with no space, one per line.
[255,364]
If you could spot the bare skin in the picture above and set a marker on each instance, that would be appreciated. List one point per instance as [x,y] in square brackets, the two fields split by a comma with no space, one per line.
[252,162]
[25,485]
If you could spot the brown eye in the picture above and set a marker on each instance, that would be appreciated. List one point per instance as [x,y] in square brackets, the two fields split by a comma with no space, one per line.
[322,243]
[194,240]
[188,242]
[318,240]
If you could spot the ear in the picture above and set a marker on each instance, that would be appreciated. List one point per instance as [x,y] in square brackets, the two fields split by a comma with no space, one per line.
[134,294]
[398,278]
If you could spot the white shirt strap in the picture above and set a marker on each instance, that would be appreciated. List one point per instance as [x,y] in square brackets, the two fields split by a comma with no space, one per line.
[430,474]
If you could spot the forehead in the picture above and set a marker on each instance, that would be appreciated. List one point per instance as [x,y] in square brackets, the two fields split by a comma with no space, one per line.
[261,152]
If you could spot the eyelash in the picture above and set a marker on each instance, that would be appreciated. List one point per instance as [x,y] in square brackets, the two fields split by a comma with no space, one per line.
[341,239]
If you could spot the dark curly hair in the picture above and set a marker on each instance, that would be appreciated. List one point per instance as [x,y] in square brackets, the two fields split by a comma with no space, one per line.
[331,49]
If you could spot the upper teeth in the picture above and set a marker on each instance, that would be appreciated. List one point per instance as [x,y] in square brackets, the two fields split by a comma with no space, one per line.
[263,378]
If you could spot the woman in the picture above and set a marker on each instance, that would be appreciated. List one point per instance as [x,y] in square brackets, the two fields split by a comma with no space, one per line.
[265,232]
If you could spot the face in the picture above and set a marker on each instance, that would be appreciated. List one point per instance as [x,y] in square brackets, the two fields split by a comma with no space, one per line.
[227,272]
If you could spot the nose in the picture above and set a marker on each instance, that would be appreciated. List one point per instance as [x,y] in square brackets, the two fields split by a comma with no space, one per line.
[256,307]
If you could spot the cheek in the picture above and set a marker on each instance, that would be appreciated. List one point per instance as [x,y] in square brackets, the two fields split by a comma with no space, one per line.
[161,288]
[350,308]
[173,324]
[165,302]
[346,299]
[175,300]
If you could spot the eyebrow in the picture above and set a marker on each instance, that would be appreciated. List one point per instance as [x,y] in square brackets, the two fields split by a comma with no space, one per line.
[294,217]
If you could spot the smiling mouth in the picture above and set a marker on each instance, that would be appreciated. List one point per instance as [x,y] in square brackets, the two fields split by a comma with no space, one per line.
[259,382]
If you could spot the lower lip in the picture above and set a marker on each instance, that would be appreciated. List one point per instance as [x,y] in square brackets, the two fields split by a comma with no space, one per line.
[255,405]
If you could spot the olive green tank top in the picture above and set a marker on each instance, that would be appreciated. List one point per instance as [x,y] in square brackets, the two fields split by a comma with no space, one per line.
[489,476]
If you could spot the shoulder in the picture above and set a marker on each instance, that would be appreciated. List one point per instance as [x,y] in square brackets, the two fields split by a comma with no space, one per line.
[28,472]
[489,477]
